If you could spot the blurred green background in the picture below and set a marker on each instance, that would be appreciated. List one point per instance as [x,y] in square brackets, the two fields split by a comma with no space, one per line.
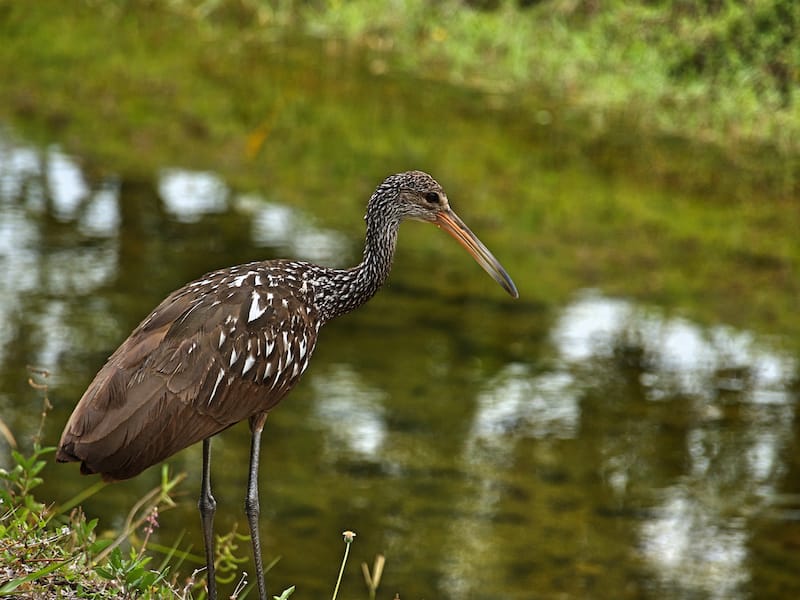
[626,429]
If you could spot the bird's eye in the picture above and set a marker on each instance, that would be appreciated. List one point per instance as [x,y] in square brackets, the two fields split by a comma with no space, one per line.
[432,198]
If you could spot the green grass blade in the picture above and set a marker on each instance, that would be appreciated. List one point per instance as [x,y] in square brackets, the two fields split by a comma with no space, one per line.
[8,588]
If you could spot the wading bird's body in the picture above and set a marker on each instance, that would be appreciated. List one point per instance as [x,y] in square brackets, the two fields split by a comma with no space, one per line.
[230,345]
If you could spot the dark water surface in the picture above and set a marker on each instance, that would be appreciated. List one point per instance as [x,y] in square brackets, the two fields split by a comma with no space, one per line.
[597,447]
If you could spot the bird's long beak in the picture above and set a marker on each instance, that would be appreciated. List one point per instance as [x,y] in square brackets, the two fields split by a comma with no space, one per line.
[452,224]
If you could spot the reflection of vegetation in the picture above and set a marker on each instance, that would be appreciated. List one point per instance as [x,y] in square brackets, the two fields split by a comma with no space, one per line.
[717,70]
[137,86]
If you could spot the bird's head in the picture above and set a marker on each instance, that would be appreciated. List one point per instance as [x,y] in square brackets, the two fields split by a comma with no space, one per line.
[418,196]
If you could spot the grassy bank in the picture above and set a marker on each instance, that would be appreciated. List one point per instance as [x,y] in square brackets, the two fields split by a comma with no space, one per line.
[724,72]
[718,73]
[722,76]
[50,551]
[54,552]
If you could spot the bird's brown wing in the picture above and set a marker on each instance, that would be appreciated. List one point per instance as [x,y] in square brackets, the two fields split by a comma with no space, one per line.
[198,364]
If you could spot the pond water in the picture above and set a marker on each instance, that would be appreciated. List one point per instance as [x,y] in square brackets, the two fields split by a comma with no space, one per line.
[584,444]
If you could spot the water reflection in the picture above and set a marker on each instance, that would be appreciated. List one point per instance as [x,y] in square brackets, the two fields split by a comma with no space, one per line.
[66,186]
[38,187]
[513,405]
[695,551]
[517,403]
[294,234]
[41,267]
[101,217]
[351,413]
[629,449]
[18,165]
[696,539]
[682,357]
[188,196]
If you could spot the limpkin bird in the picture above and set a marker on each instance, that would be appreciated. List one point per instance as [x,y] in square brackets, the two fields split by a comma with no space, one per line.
[230,345]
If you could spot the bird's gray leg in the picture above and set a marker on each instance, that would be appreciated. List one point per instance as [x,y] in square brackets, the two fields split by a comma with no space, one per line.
[208,506]
[251,505]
